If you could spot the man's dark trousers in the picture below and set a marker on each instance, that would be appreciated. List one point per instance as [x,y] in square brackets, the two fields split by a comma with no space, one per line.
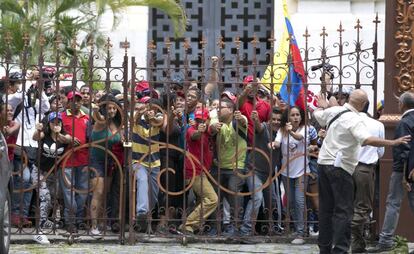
[336,197]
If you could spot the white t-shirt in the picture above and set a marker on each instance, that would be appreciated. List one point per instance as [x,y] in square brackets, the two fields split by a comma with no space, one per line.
[296,148]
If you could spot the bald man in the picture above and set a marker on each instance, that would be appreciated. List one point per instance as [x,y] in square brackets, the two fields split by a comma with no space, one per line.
[338,157]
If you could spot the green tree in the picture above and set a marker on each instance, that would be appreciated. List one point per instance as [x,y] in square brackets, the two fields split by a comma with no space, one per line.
[68,18]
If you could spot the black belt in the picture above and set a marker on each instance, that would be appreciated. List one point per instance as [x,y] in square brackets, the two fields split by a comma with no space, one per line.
[367,165]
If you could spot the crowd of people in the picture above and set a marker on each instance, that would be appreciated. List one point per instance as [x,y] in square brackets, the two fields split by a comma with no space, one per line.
[241,142]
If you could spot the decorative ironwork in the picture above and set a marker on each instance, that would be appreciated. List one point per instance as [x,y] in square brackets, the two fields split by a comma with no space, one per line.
[404,54]
[353,66]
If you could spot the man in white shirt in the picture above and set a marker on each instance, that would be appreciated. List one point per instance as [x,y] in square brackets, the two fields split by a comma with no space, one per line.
[346,133]
[364,180]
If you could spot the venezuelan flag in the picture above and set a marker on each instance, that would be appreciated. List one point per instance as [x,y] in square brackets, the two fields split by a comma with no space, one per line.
[287,71]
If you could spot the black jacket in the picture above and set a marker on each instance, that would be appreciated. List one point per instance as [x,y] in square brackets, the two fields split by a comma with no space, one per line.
[401,153]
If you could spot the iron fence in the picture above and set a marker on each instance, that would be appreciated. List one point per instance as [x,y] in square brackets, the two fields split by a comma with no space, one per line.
[106,190]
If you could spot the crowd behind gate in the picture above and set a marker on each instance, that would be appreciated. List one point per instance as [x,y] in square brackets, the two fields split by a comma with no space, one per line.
[70,142]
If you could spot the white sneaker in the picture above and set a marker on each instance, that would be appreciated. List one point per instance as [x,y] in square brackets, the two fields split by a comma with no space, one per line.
[298,241]
[41,238]
[313,233]
[96,233]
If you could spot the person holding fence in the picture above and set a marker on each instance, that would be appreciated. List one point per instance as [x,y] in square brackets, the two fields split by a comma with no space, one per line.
[106,131]
[199,145]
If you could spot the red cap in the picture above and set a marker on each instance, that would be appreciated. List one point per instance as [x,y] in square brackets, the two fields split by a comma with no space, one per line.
[141,86]
[248,79]
[144,99]
[71,94]
[229,95]
[201,114]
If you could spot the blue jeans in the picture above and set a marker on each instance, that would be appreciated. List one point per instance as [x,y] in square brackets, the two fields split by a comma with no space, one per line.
[253,206]
[392,212]
[21,181]
[147,188]
[296,198]
[74,202]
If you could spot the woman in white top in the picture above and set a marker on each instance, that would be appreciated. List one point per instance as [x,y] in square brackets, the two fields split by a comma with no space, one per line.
[291,139]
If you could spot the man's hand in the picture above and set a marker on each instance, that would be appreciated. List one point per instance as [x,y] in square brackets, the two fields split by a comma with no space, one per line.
[6,130]
[238,115]
[39,127]
[76,142]
[254,116]
[322,103]
[202,127]
[217,126]
[411,175]
[322,133]
[288,127]
[402,140]
[95,107]
[333,102]
[177,112]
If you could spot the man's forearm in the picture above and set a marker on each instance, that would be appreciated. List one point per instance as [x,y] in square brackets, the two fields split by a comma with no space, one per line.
[378,142]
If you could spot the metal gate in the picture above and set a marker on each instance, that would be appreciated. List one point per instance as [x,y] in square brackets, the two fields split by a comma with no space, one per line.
[103,192]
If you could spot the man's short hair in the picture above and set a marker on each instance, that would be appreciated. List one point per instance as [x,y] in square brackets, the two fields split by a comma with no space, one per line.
[407,99]
[195,89]
[276,110]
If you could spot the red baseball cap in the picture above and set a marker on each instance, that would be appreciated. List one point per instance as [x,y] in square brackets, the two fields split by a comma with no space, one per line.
[144,99]
[71,94]
[248,79]
[142,86]
[229,95]
[201,114]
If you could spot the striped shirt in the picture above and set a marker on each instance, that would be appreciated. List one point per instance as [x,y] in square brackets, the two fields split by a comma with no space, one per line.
[143,135]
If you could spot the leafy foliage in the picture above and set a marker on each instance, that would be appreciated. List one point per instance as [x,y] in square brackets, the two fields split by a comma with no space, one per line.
[69,19]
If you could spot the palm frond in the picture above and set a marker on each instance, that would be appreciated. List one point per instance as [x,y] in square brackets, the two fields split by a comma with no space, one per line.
[172,8]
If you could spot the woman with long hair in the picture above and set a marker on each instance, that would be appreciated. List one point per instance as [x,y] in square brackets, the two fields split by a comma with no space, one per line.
[106,130]
[291,139]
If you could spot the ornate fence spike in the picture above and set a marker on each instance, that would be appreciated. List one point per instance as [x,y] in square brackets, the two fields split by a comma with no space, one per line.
[26,39]
[237,42]
[8,38]
[74,44]
[220,42]
[42,40]
[272,39]
[152,46]
[203,41]
[108,44]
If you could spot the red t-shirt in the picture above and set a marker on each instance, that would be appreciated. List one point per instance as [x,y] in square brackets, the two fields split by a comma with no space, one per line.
[11,140]
[76,126]
[263,109]
[195,147]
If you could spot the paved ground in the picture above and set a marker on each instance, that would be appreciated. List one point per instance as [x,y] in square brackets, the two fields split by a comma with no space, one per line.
[162,248]
[24,244]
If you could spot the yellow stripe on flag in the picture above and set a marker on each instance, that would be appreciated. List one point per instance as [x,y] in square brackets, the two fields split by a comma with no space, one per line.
[279,67]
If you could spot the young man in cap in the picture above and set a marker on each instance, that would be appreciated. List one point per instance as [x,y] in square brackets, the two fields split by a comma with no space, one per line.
[75,123]
[199,145]
[249,101]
